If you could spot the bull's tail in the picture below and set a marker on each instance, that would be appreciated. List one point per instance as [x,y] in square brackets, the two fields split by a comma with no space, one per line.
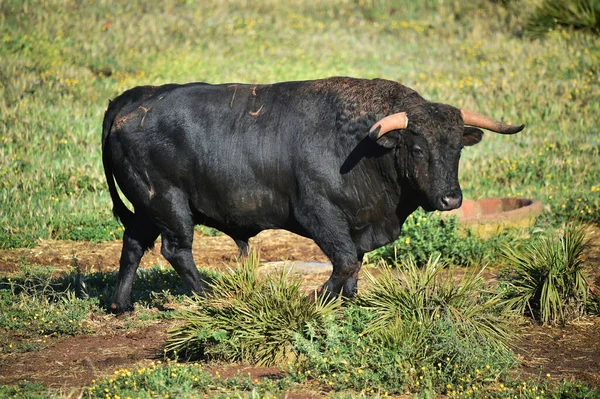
[120,210]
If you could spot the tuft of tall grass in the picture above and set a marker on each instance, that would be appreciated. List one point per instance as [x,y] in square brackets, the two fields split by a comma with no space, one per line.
[546,280]
[409,294]
[245,317]
[578,14]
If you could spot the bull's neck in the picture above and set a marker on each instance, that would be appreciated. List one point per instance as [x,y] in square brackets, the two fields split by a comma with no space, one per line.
[402,198]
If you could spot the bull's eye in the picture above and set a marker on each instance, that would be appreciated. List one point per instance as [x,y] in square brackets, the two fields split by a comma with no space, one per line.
[417,152]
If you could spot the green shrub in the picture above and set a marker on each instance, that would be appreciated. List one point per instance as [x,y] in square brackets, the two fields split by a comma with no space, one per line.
[426,295]
[546,280]
[247,318]
[342,353]
[412,330]
[578,14]
[426,235]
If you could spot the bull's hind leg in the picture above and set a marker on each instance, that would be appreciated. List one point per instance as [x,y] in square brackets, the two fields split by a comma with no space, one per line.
[177,232]
[177,249]
[139,236]
[243,247]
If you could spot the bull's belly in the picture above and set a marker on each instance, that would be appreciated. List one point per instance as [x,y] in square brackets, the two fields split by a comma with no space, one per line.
[243,210]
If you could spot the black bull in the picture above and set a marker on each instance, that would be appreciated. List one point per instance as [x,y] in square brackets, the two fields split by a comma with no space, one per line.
[343,161]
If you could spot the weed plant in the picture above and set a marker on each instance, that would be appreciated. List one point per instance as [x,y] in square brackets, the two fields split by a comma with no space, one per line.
[343,356]
[425,235]
[176,380]
[428,294]
[546,280]
[412,330]
[245,317]
[577,14]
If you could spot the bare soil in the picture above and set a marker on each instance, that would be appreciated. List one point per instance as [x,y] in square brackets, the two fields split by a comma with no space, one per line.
[571,352]
[210,252]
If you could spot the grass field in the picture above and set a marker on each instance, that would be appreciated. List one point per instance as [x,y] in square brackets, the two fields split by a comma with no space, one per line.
[62,60]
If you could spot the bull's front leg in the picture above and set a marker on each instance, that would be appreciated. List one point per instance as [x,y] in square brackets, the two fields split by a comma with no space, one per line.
[330,231]
[344,278]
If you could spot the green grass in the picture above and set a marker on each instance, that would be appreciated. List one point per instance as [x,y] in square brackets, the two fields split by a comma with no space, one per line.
[155,286]
[62,61]
[176,380]
[39,305]
[25,390]
[247,318]
[35,309]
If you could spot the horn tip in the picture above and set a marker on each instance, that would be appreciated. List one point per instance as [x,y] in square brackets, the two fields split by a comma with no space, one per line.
[374,132]
[515,129]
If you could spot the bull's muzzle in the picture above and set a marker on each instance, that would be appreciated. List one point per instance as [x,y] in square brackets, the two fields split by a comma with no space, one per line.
[449,201]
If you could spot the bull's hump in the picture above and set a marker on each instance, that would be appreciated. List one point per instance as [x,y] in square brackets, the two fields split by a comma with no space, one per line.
[373,96]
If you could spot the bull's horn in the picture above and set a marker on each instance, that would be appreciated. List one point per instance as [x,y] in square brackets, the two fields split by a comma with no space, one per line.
[389,123]
[477,120]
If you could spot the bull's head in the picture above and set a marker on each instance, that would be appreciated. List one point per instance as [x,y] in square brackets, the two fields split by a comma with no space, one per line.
[428,139]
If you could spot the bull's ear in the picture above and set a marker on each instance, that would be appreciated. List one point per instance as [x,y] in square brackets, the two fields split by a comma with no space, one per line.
[390,140]
[471,136]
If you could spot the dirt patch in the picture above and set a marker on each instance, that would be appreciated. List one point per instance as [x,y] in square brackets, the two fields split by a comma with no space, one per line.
[211,252]
[76,361]
[571,352]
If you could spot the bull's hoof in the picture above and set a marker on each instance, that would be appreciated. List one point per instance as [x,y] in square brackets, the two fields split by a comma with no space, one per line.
[331,291]
[120,309]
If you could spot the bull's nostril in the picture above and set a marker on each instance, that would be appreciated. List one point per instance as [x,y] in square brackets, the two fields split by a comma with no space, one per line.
[451,201]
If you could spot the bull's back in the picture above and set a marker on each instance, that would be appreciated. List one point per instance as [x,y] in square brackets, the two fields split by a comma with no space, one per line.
[229,148]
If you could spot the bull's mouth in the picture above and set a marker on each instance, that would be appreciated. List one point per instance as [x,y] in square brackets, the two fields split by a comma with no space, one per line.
[427,207]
